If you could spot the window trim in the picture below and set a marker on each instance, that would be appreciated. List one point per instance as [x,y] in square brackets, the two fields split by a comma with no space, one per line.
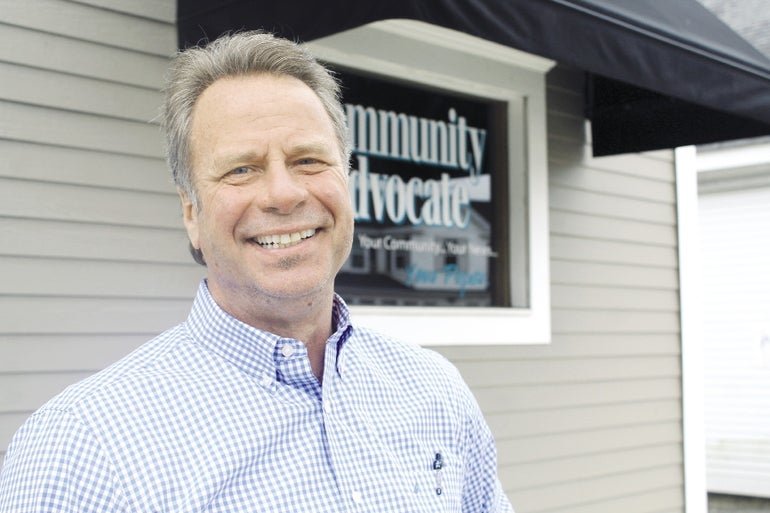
[414,51]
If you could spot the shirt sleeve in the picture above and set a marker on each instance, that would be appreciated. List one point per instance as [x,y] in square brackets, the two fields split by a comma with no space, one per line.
[55,464]
[482,490]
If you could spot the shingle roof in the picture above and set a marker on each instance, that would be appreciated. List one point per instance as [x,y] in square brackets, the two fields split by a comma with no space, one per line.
[749,18]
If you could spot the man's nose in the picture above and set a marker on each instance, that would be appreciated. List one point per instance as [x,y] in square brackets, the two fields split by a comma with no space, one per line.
[281,190]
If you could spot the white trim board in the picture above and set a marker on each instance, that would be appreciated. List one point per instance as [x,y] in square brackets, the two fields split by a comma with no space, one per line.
[421,53]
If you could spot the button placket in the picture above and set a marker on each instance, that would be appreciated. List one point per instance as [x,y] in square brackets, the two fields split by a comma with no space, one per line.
[343,442]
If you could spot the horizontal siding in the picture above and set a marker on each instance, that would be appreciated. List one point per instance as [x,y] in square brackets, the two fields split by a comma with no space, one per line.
[617,275]
[90,315]
[554,446]
[43,125]
[84,192]
[46,277]
[159,10]
[612,228]
[605,204]
[614,298]
[581,418]
[45,238]
[565,371]
[83,167]
[599,465]
[631,182]
[88,204]
[569,246]
[50,51]
[641,491]
[592,422]
[104,26]
[47,354]
[78,94]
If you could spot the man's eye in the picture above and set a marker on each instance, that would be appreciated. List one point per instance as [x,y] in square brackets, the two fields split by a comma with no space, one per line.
[239,171]
[307,161]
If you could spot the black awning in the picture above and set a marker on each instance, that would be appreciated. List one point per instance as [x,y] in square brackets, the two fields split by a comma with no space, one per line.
[661,73]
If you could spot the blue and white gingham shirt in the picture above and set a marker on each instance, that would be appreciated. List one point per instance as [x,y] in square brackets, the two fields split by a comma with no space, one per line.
[215,415]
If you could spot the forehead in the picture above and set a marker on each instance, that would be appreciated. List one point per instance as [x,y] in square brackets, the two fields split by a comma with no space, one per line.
[253,108]
[260,94]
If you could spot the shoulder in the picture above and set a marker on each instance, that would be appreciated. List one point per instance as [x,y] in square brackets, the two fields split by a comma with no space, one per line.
[422,368]
[68,445]
[409,353]
[139,362]
[55,463]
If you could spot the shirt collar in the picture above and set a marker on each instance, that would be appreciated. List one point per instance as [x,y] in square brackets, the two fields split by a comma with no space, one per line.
[342,330]
[250,349]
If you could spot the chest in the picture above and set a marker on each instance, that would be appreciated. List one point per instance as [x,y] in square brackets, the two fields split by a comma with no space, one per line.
[357,448]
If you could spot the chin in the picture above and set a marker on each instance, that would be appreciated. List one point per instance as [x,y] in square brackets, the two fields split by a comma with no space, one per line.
[298,290]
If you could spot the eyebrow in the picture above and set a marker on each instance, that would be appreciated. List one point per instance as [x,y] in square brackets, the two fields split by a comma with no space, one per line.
[249,156]
[312,147]
[229,160]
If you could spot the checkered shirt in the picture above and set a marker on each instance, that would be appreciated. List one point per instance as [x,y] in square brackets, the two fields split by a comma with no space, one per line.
[215,415]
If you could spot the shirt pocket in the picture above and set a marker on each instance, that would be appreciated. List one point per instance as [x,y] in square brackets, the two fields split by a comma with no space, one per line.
[439,489]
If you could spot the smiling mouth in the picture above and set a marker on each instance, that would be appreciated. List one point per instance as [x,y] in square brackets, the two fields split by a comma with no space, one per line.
[283,240]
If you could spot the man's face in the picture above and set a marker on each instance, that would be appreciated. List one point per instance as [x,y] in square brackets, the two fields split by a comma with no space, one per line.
[274,217]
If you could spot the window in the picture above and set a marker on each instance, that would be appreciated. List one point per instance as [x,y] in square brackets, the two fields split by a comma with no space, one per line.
[448,183]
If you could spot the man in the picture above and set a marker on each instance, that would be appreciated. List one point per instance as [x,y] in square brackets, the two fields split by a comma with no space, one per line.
[267,398]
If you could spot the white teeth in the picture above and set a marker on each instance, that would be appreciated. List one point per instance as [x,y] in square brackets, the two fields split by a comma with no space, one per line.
[283,240]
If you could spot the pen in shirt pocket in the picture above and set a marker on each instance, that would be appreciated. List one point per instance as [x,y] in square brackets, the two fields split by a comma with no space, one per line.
[438,464]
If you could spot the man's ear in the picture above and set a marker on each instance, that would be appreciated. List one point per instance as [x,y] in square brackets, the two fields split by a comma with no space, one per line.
[190,217]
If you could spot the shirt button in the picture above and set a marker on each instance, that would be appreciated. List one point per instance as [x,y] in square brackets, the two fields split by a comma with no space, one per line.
[288,350]
[266,380]
[357,497]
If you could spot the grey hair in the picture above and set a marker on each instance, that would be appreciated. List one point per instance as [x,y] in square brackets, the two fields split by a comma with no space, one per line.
[232,55]
[239,54]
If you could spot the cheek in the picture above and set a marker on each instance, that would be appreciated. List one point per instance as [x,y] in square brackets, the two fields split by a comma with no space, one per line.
[336,193]
[344,216]
[220,216]
[343,209]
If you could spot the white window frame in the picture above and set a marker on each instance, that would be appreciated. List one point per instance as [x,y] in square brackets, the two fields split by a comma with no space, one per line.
[437,57]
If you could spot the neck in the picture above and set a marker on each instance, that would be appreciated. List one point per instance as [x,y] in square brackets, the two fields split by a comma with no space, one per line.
[311,323]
